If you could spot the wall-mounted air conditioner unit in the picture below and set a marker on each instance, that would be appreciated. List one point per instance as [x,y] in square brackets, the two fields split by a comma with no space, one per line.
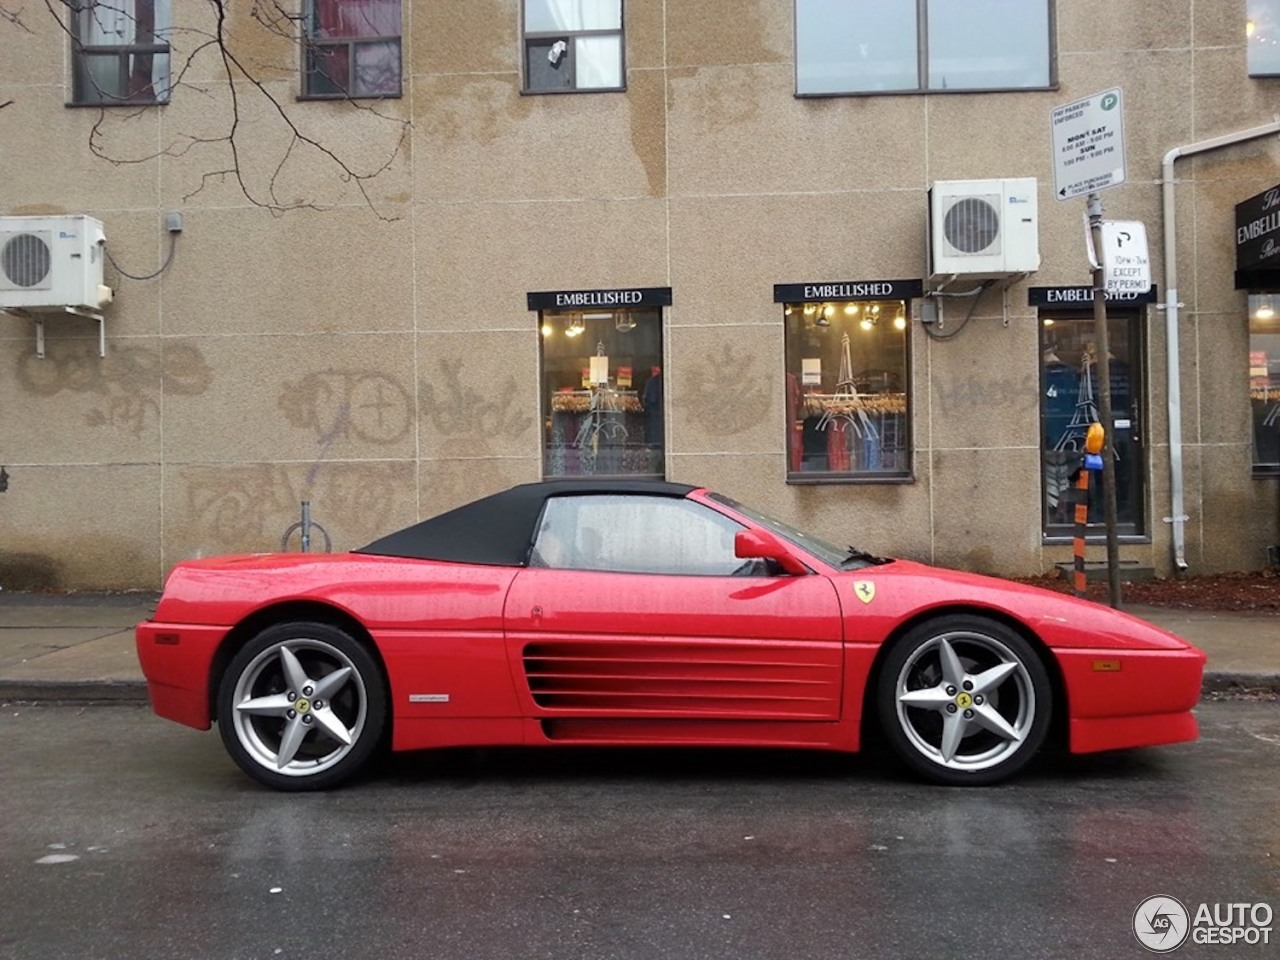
[983,228]
[52,264]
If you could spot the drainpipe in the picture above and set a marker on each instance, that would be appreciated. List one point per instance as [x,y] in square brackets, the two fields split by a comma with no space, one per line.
[1170,306]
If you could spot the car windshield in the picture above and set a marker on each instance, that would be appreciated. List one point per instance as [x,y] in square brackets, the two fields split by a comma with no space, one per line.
[827,552]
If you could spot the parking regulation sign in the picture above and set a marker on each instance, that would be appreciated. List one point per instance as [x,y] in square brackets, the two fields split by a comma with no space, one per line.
[1088,144]
[1126,264]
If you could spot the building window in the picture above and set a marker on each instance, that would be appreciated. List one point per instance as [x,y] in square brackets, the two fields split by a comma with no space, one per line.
[602,393]
[573,45]
[121,52]
[352,49]
[847,396]
[1264,382]
[1262,35]
[1069,392]
[887,46]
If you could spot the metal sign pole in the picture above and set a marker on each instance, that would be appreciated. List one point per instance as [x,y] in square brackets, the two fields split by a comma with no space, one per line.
[1104,405]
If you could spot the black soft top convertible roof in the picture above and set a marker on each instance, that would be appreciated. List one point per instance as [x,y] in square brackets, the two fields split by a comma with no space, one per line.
[499,529]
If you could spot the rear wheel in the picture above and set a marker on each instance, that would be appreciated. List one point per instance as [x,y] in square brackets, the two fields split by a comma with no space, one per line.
[302,706]
[964,701]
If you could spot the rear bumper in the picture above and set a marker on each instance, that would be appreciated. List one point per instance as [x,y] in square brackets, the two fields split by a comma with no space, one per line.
[1118,699]
[176,660]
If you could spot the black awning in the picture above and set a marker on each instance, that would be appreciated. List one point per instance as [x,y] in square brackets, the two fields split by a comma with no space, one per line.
[1258,241]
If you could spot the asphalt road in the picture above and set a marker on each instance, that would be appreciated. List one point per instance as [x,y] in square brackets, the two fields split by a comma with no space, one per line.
[127,836]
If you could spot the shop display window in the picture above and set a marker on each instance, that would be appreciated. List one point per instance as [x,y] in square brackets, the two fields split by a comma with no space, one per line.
[1264,381]
[602,393]
[847,390]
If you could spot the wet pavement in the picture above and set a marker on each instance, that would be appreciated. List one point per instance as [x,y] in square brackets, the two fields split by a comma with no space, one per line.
[122,835]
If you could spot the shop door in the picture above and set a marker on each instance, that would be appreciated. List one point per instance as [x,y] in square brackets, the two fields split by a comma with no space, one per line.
[1069,401]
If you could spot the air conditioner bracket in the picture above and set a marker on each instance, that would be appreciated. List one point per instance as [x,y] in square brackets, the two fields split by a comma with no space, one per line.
[88,314]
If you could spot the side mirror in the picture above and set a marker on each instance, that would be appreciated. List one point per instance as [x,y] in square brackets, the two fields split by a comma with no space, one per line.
[753,544]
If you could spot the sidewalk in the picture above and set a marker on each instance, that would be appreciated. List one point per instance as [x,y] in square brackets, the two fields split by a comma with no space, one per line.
[80,646]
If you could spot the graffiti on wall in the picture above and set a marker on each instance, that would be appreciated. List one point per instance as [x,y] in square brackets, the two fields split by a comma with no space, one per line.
[1007,396]
[248,507]
[125,385]
[727,393]
[344,404]
[479,412]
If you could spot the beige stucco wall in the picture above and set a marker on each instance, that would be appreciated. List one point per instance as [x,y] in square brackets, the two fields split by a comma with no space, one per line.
[371,351]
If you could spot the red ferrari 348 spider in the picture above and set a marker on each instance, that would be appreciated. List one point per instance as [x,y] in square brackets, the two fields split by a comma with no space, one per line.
[645,613]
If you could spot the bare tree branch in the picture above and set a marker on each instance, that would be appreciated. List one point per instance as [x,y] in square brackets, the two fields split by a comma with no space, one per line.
[241,86]
[13,17]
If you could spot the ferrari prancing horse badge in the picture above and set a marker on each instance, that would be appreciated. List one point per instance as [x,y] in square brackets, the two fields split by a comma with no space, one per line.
[864,590]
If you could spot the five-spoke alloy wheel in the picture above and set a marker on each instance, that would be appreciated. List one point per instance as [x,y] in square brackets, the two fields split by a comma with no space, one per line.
[302,706]
[964,700]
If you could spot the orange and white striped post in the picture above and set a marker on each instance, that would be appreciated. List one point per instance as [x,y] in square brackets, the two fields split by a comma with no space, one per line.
[1092,461]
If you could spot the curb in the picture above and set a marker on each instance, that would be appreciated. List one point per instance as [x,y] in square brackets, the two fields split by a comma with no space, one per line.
[1225,686]
[73,691]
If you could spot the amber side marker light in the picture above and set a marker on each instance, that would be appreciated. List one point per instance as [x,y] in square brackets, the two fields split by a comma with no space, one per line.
[1106,666]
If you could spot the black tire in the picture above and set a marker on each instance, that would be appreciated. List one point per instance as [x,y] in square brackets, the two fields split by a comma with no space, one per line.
[341,692]
[962,735]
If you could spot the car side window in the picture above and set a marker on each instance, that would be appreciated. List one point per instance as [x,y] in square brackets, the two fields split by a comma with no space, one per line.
[638,534]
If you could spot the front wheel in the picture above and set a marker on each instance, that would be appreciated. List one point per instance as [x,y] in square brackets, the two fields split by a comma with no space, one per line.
[302,706]
[964,701]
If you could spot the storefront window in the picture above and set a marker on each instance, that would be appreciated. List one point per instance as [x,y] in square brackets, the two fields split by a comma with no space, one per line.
[847,390]
[1264,381]
[1069,402]
[602,392]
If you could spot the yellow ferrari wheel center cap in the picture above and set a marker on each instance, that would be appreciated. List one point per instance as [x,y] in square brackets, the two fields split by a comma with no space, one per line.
[302,705]
[964,701]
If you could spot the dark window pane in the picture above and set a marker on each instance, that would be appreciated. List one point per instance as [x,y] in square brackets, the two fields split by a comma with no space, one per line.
[327,71]
[545,71]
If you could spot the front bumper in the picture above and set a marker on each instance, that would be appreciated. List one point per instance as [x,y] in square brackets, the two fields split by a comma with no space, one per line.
[1131,698]
[176,660]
